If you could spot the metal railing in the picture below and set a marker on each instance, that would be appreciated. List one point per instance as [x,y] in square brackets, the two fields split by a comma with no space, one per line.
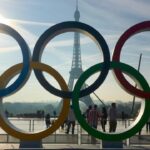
[80,136]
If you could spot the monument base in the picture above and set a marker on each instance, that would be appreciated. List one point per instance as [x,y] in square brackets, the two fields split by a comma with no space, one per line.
[30,144]
[112,145]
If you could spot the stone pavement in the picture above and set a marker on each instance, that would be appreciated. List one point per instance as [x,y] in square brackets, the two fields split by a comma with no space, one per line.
[72,146]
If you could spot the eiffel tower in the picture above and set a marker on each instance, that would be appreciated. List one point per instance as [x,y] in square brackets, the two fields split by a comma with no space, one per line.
[76,68]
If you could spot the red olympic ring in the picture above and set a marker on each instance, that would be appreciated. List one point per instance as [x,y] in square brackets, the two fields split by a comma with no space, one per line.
[140,27]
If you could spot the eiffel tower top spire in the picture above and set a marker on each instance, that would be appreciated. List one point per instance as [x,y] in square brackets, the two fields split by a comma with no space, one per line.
[76,68]
[77,13]
[76,4]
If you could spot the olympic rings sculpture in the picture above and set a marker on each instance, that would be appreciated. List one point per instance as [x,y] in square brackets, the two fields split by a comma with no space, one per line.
[25,68]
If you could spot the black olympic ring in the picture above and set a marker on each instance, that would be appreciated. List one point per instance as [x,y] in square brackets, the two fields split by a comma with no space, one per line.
[68,27]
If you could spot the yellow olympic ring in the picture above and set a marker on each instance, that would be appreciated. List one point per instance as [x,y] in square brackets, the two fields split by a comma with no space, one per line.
[8,127]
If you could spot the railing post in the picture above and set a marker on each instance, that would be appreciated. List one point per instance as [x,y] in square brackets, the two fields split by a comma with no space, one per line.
[30,125]
[79,134]
[7,138]
[125,123]
[33,125]
[128,142]
[129,122]
[55,136]
[100,144]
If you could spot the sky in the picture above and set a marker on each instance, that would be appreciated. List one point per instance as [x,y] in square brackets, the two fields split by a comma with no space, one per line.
[110,18]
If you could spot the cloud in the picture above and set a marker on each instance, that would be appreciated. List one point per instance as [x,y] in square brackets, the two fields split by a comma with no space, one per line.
[29,37]
[27,22]
[54,48]
[112,16]
[8,49]
[70,42]
[138,8]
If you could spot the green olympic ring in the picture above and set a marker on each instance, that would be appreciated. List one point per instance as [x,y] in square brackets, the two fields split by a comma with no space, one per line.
[138,123]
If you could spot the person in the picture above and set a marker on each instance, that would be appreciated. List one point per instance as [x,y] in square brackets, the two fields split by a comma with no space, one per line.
[47,120]
[123,118]
[54,113]
[94,116]
[71,120]
[112,113]
[87,113]
[148,125]
[104,118]
[64,124]
[122,115]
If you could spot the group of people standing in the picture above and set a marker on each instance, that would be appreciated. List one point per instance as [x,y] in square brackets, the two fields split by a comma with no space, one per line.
[93,115]
[70,121]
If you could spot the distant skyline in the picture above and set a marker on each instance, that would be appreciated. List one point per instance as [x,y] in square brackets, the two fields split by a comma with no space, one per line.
[111,18]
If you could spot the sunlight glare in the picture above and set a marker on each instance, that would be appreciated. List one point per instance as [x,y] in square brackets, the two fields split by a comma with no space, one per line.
[4,20]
